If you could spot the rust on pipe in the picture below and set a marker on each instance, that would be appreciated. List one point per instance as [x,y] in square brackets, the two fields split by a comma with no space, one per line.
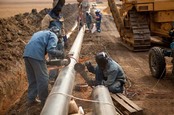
[58,100]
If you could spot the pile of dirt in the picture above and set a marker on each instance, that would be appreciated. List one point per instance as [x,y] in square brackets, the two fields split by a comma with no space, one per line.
[107,11]
[16,32]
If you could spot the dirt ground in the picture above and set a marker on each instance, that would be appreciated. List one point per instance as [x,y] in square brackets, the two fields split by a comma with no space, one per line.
[154,96]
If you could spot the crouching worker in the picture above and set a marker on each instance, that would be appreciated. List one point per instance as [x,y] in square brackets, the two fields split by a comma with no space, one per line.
[108,73]
[41,43]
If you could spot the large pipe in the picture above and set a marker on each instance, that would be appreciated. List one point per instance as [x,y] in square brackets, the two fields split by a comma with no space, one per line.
[72,29]
[58,100]
[105,105]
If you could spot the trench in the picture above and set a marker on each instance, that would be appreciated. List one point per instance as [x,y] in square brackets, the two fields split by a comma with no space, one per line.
[16,32]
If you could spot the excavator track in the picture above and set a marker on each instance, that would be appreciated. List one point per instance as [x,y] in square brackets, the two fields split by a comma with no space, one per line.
[137,35]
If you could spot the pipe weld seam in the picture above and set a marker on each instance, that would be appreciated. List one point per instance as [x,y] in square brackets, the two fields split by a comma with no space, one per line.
[73,58]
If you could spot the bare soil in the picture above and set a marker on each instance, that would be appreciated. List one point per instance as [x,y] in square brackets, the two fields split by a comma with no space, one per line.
[15,33]
[154,96]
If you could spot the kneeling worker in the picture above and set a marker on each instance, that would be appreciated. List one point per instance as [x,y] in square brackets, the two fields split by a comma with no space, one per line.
[108,73]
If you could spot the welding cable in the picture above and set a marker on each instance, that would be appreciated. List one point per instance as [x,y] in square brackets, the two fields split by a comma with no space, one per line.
[77,98]
[158,80]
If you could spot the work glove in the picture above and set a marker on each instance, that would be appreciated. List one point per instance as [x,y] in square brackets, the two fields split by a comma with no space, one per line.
[90,67]
[61,55]
[65,39]
[88,64]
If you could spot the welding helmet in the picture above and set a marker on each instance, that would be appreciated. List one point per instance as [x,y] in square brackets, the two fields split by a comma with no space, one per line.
[101,59]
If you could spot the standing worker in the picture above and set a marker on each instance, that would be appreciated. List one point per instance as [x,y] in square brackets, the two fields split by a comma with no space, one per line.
[80,16]
[108,73]
[88,20]
[85,7]
[40,44]
[98,19]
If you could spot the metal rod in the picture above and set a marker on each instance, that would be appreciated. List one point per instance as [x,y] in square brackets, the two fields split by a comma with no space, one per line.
[58,100]
[105,105]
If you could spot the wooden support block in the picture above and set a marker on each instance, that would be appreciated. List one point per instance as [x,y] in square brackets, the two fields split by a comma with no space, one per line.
[125,105]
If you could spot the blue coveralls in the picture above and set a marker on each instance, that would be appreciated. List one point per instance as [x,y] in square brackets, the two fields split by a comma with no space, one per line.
[112,76]
[98,21]
[41,42]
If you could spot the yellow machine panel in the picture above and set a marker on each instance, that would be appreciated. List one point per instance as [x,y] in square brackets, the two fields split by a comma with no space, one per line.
[143,1]
[163,5]
[144,7]
[164,16]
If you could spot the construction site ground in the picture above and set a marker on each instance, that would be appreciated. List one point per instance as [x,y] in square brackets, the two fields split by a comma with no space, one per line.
[154,96]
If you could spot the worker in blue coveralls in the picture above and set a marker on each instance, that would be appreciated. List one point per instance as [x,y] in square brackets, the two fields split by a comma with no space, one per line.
[98,19]
[108,73]
[41,43]
[88,20]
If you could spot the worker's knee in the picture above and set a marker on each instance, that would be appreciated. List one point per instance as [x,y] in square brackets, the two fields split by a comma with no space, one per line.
[117,87]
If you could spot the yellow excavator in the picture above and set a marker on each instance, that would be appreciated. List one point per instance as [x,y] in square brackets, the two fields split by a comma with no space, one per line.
[138,21]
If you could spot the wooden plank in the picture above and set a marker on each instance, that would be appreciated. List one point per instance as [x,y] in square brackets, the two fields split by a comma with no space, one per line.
[131,103]
[122,106]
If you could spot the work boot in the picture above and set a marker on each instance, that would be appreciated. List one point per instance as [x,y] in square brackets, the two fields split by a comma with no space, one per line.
[32,103]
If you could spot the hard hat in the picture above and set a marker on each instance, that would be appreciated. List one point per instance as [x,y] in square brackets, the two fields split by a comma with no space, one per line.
[101,59]
[97,10]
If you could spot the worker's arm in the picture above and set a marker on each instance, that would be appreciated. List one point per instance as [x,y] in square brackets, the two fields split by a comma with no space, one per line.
[51,46]
[90,67]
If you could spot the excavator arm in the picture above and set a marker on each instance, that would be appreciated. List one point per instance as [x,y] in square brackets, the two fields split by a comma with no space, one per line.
[116,15]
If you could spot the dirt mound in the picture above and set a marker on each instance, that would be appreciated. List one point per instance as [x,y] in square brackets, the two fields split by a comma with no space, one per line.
[15,33]
[107,10]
